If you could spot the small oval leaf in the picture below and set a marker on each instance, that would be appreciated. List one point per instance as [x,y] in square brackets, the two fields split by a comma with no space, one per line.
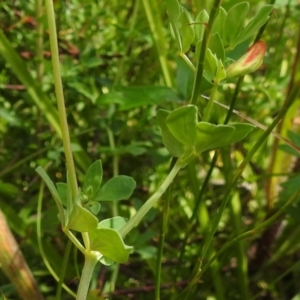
[117,188]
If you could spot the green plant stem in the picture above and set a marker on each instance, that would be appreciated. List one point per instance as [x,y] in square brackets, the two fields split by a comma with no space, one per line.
[60,98]
[115,210]
[132,25]
[63,270]
[75,241]
[112,145]
[234,98]
[61,108]
[136,219]
[187,61]
[154,20]
[161,241]
[240,249]
[39,240]
[210,102]
[204,45]
[90,262]
[40,40]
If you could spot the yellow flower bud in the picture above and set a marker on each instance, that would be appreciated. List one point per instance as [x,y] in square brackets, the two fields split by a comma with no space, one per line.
[249,62]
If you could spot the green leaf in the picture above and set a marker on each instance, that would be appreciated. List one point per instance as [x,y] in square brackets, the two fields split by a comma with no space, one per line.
[235,23]
[137,96]
[182,124]
[199,26]
[184,79]
[62,191]
[106,261]
[81,219]
[186,30]
[53,192]
[115,189]
[170,142]
[210,66]
[49,183]
[216,46]
[93,207]
[240,132]
[173,9]
[219,23]
[294,137]
[7,116]
[210,136]
[93,179]
[137,148]
[114,223]
[110,244]
[255,23]
[89,91]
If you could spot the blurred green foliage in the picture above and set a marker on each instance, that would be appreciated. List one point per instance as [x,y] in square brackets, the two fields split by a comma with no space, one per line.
[114,85]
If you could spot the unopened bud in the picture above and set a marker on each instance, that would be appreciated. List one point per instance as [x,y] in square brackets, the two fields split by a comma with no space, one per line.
[249,62]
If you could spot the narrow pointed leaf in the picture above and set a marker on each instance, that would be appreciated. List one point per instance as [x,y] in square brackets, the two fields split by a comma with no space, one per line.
[255,23]
[62,191]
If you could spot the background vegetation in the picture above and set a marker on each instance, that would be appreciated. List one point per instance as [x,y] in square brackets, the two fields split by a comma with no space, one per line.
[120,64]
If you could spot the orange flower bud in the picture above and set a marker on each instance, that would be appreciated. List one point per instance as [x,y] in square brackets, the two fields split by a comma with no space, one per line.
[249,62]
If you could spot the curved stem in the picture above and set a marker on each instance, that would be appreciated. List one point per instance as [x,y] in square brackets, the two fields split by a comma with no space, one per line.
[210,103]
[136,219]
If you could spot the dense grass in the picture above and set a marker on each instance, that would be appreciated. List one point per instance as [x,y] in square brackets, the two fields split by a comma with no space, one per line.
[228,225]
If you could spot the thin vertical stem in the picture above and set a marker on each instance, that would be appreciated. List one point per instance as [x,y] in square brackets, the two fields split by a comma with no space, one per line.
[60,97]
[155,25]
[204,45]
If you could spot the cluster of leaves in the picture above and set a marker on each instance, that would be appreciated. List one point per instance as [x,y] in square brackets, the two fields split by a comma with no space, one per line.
[187,138]
[228,31]
[79,214]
